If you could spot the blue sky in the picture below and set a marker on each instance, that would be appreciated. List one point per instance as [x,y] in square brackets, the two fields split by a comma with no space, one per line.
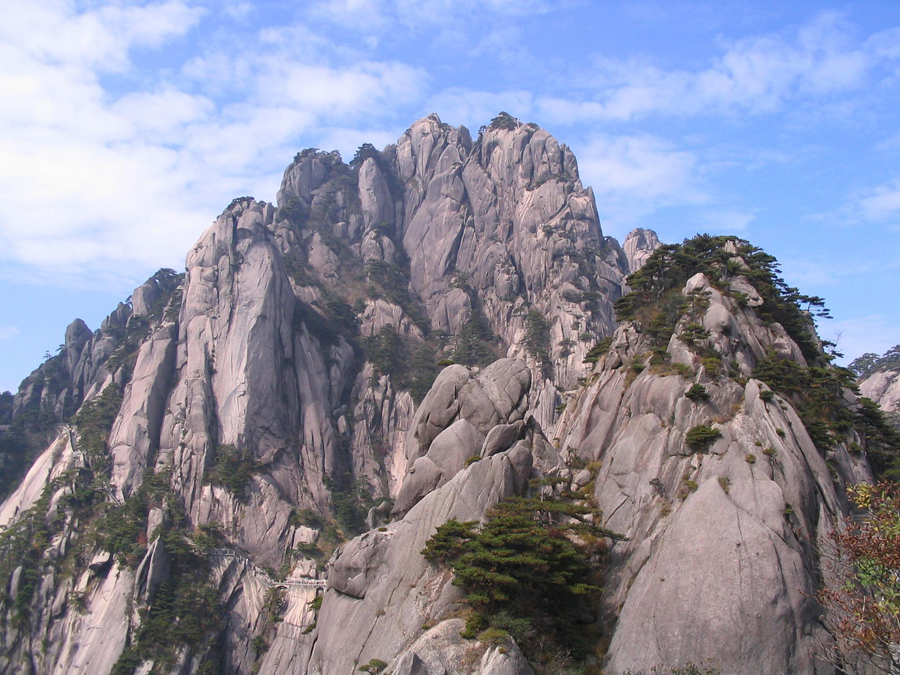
[127,126]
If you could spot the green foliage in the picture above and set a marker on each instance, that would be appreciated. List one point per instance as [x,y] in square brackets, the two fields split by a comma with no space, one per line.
[412,364]
[697,392]
[818,394]
[373,667]
[423,370]
[364,152]
[391,281]
[306,518]
[879,439]
[185,607]
[701,437]
[476,344]
[693,333]
[387,351]
[523,564]
[232,469]
[766,395]
[169,285]
[867,364]
[537,340]
[702,668]
[121,530]
[95,421]
[598,350]
[656,289]
[351,502]
[16,455]
[504,121]
[448,543]
[22,543]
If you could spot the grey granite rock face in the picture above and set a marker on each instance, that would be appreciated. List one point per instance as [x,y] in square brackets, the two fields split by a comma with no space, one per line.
[720,563]
[265,350]
[638,246]
[883,387]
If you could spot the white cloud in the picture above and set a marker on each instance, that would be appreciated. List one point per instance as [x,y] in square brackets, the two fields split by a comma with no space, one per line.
[754,75]
[54,32]
[377,16]
[7,332]
[119,183]
[882,202]
[633,176]
[879,204]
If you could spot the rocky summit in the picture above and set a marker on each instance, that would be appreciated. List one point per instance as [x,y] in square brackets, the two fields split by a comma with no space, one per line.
[421,417]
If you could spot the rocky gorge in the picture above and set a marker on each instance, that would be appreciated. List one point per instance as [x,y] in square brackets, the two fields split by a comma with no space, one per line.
[240,469]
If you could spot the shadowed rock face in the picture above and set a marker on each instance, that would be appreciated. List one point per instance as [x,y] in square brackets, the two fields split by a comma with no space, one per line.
[267,351]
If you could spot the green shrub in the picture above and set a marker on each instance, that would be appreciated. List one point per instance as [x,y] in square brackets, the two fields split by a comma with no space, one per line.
[232,469]
[693,333]
[750,458]
[521,563]
[537,340]
[95,421]
[766,395]
[493,636]
[697,393]
[373,667]
[598,350]
[504,121]
[701,437]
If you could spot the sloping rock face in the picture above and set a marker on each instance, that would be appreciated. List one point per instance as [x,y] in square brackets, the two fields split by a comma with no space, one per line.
[721,559]
[266,444]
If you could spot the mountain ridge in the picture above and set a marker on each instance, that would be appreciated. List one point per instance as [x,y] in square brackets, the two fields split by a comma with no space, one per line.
[404,339]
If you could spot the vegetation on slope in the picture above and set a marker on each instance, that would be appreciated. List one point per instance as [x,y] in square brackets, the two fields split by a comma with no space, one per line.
[527,571]
[870,363]
[864,603]
[656,298]
[816,390]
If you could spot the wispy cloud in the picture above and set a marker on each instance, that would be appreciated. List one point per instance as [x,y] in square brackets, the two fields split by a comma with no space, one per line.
[752,76]
[375,16]
[633,176]
[7,332]
[727,221]
[879,204]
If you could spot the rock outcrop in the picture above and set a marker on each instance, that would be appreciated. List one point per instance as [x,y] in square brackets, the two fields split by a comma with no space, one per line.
[879,378]
[638,246]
